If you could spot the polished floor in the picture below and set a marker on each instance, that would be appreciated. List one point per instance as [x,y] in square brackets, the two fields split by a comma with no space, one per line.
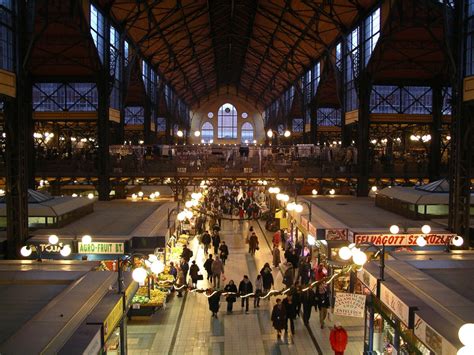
[186,326]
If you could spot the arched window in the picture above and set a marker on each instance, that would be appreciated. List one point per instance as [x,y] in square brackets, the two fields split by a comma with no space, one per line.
[227,122]
[207,132]
[247,133]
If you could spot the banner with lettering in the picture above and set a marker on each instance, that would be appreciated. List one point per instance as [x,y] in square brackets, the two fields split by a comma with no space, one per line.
[101,248]
[402,239]
[336,234]
[349,305]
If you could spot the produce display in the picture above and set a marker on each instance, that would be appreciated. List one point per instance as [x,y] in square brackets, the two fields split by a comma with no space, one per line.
[157,297]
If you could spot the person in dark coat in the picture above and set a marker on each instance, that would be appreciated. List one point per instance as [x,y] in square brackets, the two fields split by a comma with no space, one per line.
[279,317]
[322,302]
[296,293]
[267,278]
[213,301]
[230,299]
[290,308]
[245,287]
[253,243]
[184,266]
[224,252]
[187,253]
[307,298]
[194,272]
[288,276]
[208,267]
[216,241]
[206,241]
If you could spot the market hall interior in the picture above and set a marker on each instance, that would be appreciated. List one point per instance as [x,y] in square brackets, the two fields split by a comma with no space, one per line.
[320,151]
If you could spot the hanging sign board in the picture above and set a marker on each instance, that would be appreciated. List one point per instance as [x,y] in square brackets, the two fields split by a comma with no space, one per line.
[395,304]
[437,343]
[402,239]
[368,280]
[101,248]
[349,305]
[336,234]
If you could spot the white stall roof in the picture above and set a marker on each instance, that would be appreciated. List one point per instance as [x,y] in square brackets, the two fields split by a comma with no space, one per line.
[54,206]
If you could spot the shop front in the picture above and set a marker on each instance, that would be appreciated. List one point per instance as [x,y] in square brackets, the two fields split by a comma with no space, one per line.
[390,317]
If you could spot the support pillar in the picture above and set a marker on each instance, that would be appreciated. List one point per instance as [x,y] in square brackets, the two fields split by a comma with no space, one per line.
[147,121]
[435,132]
[363,126]
[104,90]
[17,116]
[314,124]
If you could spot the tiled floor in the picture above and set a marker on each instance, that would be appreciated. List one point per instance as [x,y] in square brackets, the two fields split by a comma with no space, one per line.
[195,332]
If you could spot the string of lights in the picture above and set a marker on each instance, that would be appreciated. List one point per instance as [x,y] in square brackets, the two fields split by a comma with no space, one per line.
[327,280]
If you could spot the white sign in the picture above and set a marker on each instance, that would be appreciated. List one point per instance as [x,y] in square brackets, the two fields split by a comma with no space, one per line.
[402,239]
[432,339]
[368,280]
[349,305]
[399,308]
[101,248]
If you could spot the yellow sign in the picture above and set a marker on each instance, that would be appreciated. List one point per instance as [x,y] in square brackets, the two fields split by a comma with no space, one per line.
[101,248]
[113,319]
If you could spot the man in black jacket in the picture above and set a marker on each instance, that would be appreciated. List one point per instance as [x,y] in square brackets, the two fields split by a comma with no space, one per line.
[208,267]
[206,241]
[245,288]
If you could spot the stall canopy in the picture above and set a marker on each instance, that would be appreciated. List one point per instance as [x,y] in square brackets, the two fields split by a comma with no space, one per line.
[33,197]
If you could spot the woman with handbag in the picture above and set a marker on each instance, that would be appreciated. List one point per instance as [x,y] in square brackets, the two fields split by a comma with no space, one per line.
[230,299]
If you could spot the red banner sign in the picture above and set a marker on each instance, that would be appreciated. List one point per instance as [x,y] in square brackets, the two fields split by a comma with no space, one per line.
[402,239]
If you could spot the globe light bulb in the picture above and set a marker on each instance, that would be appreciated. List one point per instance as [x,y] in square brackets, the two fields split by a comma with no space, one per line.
[74,195]
[311,240]
[374,188]
[181,216]
[139,275]
[332,192]
[287,133]
[197,134]
[421,241]
[269,133]
[466,350]
[290,207]
[134,196]
[26,251]
[157,267]
[276,190]
[152,196]
[359,258]
[65,250]
[90,196]
[53,239]
[298,208]
[188,204]
[457,241]
[394,229]
[426,229]
[285,198]
[140,194]
[466,334]
[86,239]
[180,133]
[157,194]
[345,253]
[314,192]
[279,197]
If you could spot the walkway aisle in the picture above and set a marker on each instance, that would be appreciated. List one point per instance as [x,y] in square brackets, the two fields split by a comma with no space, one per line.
[353,326]
[239,333]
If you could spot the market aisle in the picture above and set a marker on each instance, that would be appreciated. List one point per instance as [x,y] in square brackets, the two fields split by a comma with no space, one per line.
[353,326]
[238,333]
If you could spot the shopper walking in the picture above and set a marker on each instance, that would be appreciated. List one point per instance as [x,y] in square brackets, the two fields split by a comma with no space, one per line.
[206,241]
[253,243]
[322,303]
[267,278]
[213,299]
[208,267]
[216,241]
[245,288]
[278,317]
[290,309]
[276,256]
[217,270]
[338,339]
[230,299]
[173,271]
[307,299]
[276,238]
[181,282]
[288,277]
[187,253]
[224,252]
[194,273]
[184,266]
[258,291]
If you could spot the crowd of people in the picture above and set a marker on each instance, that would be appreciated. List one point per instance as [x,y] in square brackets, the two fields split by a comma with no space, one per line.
[299,298]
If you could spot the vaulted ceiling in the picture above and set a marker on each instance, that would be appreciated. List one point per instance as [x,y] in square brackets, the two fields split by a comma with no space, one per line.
[256,47]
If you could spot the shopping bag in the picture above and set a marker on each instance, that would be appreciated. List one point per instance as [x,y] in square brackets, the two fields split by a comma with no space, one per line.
[224,278]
